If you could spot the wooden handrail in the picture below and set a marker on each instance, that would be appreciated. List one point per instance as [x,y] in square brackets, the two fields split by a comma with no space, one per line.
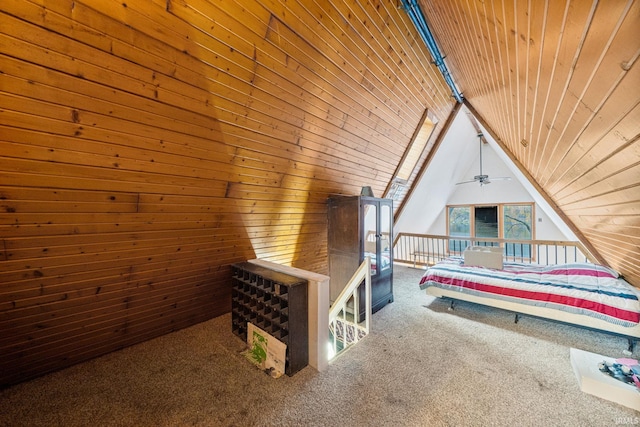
[429,248]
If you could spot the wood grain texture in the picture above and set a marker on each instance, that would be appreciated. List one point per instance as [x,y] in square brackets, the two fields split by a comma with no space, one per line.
[146,146]
[557,83]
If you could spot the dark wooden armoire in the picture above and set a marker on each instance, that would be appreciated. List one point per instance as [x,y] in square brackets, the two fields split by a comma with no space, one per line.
[360,226]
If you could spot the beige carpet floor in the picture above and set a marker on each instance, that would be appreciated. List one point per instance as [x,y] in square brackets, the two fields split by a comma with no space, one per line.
[421,366]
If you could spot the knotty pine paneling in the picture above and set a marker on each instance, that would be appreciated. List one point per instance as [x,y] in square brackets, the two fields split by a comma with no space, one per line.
[146,146]
[557,84]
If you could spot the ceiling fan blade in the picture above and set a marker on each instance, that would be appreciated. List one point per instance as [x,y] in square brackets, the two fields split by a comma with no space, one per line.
[500,178]
[466,182]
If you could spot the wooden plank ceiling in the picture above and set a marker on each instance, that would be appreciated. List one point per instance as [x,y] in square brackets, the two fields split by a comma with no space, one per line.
[558,84]
[145,146]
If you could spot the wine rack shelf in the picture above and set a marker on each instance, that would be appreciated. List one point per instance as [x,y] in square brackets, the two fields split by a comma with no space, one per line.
[276,303]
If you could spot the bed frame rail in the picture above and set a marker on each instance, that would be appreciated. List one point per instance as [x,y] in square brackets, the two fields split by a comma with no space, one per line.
[631,341]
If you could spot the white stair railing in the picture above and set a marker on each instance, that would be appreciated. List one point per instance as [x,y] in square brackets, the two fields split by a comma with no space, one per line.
[345,329]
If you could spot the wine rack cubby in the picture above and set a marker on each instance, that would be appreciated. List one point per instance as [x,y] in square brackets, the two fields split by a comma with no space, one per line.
[276,303]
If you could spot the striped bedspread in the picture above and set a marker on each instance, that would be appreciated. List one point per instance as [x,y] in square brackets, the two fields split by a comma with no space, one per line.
[588,289]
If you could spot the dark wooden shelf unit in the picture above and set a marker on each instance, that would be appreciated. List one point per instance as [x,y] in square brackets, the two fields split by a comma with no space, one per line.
[276,303]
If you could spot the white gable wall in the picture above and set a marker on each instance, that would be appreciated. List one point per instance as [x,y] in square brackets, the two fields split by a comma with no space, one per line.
[456,160]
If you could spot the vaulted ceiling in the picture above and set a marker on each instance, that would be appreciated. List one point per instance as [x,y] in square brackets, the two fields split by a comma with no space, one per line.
[557,83]
[147,145]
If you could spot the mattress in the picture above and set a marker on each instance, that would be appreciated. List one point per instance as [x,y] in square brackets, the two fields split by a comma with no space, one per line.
[578,288]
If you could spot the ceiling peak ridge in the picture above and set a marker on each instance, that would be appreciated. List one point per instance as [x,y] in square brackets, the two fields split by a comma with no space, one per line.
[417,17]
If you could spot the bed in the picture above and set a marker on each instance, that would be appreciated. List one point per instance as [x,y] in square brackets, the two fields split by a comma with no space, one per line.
[582,294]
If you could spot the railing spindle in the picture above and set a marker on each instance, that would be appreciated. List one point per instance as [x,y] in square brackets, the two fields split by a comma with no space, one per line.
[427,249]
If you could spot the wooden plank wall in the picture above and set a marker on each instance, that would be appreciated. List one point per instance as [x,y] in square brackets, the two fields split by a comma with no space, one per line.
[557,81]
[145,146]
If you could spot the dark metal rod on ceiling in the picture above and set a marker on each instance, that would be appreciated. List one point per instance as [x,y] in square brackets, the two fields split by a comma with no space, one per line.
[417,17]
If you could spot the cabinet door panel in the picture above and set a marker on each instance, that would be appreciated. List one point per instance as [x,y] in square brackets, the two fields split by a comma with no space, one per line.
[384,233]
[370,235]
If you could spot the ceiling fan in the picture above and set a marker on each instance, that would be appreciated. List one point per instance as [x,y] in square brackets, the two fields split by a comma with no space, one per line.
[482,178]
